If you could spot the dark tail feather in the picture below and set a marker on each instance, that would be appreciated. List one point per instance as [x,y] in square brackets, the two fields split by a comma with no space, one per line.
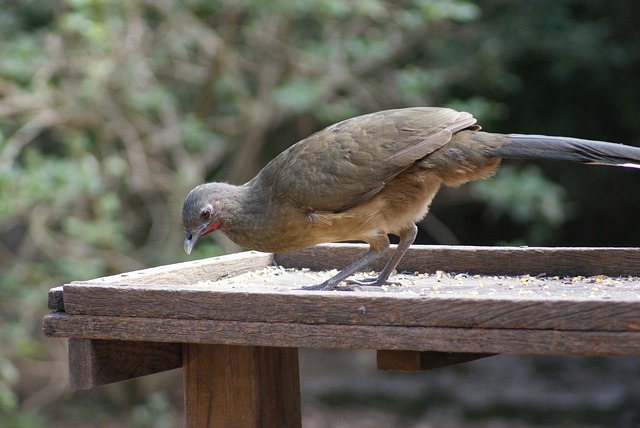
[568,149]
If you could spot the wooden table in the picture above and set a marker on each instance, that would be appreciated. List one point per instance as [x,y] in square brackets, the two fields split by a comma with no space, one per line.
[237,338]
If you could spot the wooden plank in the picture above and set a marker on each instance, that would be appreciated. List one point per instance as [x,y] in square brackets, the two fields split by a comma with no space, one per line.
[375,308]
[193,271]
[55,299]
[94,363]
[241,386]
[478,259]
[414,361]
[480,340]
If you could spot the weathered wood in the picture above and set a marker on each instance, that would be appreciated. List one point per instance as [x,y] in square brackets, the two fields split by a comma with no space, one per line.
[370,308]
[474,340]
[422,258]
[239,342]
[481,260]
[55,299]
[414,361]
[241,386]
[94,363]
[194,271]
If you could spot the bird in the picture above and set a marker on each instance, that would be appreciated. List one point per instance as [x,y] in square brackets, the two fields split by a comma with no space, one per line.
[368,177]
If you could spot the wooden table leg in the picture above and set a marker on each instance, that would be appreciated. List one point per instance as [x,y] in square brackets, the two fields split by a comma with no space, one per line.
[241,386]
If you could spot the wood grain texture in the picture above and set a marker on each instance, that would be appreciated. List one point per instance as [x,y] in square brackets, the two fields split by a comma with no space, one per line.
[94,363]
[55,300]
[194,271]
[474,340]
[241,386]
[415,361]
[482,260]
[375,308]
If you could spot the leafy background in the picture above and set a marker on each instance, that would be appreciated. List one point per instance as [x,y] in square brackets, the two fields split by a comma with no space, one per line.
[111,111]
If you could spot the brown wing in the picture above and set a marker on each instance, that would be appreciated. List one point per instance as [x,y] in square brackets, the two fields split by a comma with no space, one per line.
[349,162]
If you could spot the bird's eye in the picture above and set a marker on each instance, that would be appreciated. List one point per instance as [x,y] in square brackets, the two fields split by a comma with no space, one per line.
[205,215]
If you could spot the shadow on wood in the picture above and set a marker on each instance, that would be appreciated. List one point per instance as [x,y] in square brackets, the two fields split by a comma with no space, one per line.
[415,361]
[94,363]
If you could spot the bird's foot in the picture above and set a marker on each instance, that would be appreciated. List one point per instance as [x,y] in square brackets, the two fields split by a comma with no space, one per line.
[351,284]
[371,282]
[329,286]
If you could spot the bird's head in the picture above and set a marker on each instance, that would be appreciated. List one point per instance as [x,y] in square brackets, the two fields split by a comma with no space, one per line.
[200,215]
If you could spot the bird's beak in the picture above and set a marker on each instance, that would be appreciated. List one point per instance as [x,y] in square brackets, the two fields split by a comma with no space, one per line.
[190,240]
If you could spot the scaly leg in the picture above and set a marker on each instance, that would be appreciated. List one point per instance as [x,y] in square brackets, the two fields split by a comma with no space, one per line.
[407,237]
[377,249]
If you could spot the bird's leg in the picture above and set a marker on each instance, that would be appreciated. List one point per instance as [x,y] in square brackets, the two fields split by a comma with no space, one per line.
[377,249]
[407,237]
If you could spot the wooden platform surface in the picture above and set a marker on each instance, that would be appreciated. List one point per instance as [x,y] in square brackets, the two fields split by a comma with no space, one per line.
[235,323]
[561,301]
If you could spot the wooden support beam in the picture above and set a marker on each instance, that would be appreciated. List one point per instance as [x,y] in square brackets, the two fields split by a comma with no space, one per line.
[55,299]
[241,386]
[94,363]
[414,361]
[445,339]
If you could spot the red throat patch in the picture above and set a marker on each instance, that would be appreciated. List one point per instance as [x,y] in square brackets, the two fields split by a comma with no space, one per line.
[211,228]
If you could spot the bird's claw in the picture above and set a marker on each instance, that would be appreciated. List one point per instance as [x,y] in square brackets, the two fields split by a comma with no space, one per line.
[326,286]
[371,282]
[351,284]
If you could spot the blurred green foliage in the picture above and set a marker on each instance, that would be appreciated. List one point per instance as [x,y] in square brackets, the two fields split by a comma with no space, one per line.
[111,111]
[528,198]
